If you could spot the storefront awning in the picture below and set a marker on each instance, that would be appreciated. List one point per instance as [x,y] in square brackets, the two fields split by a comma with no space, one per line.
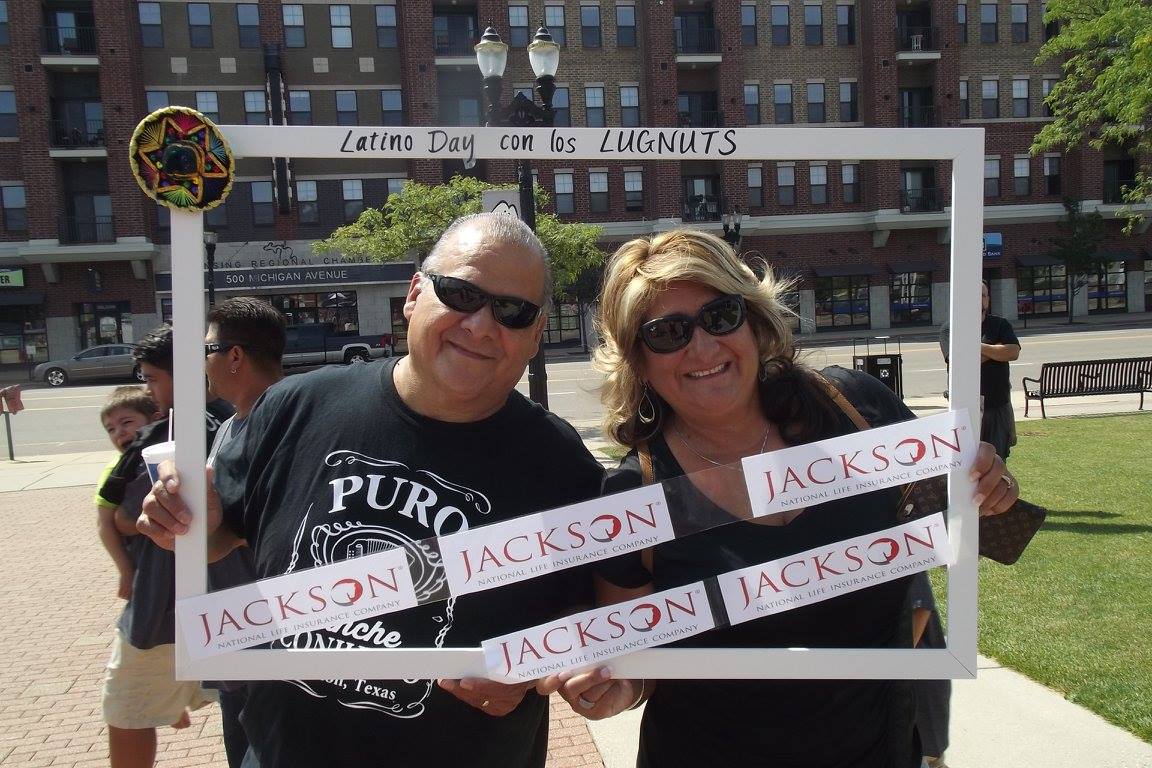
[842,270]
[21,298]
[1117,255]
[899,267]
[1038,260]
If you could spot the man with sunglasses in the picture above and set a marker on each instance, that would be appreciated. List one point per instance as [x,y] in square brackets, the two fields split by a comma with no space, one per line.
[354,459]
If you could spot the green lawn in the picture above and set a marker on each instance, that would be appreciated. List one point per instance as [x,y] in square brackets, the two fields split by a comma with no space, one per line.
[1075,613]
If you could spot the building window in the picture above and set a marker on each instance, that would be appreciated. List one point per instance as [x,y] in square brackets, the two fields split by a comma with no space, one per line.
[850,182]
[818,183]
[1020,97]
[848,111]
[626,26]
[299,107]
[813,25]
[555,22]
[598,191]
[748,25]
[346,112]
[151,27]
[816,111]
[755,186]
[392,107]
[1041,291]
[1052,175]
[5,37]
[8,124]
[208,104]
[1021,176]
[216,218]
[781,35]
[1051,28]
[340,17]
[156,100]
[845,25]
[910,299]
[842,302]
[1108,288]
[1019,23]
[594,107]
[263,212]
[786,184]
[962,22]
[992,177]
[1047,86]
[255,109]
[590,26]
[307,207]
[751,104]
[518,26]
[633,190]
[353,190]
[386,26]
[964,110]
[248,24]
[782,102]
[988,23]
[15,204]
[565,195]
[561,114]
[200,25]
[629,106]
[294,27]
[989,99]
[396,186]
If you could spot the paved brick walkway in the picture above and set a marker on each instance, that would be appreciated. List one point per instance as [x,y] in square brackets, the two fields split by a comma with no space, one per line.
[57,591]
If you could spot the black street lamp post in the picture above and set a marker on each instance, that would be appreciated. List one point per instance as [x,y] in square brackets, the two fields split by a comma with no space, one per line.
[522,112]
[210,238]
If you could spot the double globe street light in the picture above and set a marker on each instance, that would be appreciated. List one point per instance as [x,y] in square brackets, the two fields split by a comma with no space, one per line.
[522,112]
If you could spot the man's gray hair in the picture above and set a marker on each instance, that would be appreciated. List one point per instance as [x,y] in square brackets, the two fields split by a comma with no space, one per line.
[501,228]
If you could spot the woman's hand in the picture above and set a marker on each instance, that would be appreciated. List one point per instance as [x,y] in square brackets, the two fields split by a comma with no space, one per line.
[488,696]
[996,489]
[593,693]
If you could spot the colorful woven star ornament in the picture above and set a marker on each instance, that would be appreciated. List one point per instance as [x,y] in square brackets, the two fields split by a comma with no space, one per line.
[181,160]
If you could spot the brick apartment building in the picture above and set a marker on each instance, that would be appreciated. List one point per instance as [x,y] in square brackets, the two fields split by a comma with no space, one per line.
[84,256]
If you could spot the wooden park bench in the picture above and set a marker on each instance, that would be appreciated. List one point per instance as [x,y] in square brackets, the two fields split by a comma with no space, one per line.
[1122,376]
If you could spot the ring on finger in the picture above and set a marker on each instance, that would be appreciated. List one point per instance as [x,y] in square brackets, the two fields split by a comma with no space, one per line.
[484,704]
[1007,481]
[584,703]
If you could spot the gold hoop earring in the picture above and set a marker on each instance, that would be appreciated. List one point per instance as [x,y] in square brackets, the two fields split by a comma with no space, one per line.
[650,416]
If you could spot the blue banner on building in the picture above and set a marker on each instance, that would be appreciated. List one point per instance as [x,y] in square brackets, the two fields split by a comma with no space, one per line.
[993,245]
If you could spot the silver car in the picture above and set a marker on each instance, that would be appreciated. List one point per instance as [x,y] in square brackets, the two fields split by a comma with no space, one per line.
[105,361]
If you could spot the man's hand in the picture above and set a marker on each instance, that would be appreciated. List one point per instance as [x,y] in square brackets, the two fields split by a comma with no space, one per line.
[594,693]
[996,490]
[165,516]
[492,698]
[124,588]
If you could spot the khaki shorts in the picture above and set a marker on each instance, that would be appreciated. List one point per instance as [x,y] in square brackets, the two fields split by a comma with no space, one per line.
[141,689]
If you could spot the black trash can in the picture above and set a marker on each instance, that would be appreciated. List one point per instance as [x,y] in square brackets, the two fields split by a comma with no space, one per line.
[887,367]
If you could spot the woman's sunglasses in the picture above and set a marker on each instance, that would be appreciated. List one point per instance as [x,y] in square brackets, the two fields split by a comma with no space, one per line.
[462,296]
[718,317]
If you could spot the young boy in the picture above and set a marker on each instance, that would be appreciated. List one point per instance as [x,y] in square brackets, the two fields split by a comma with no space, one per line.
[124,413]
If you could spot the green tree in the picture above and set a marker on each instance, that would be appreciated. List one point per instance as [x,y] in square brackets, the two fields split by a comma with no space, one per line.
[411,221]
[1105,95]
[1076,245]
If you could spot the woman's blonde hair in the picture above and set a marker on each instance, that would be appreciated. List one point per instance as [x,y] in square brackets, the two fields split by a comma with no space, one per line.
[636,273]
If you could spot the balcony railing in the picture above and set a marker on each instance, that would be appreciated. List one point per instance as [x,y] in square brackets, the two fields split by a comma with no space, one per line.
[697,41]
[69,41]
[704,119]
[927,200]
[917,117]
[76,134]
[917,39]
[90,229]
[454,43]
[703,208]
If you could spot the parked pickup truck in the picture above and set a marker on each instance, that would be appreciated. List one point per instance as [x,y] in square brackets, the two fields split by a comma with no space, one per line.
[320,343]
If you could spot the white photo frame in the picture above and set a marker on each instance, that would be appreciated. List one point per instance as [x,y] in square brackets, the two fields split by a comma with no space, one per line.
[963,146]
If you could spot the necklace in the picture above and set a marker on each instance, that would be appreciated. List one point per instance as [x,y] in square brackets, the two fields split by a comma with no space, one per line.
[680,436]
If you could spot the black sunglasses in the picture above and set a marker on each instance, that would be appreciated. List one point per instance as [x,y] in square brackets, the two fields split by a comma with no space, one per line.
[220,346]
[718,317]
[462,296]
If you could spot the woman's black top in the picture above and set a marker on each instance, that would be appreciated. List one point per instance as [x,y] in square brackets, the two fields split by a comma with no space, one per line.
[780,723]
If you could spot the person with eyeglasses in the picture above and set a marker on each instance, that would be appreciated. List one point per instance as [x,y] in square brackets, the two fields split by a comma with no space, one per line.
[355,459]
[700,372]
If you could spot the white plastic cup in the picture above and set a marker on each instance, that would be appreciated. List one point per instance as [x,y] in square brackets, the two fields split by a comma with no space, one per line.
[154,455]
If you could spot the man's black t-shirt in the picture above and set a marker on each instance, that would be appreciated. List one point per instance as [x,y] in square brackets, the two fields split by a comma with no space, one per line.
[994,383]
[339,467]
[793,723]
